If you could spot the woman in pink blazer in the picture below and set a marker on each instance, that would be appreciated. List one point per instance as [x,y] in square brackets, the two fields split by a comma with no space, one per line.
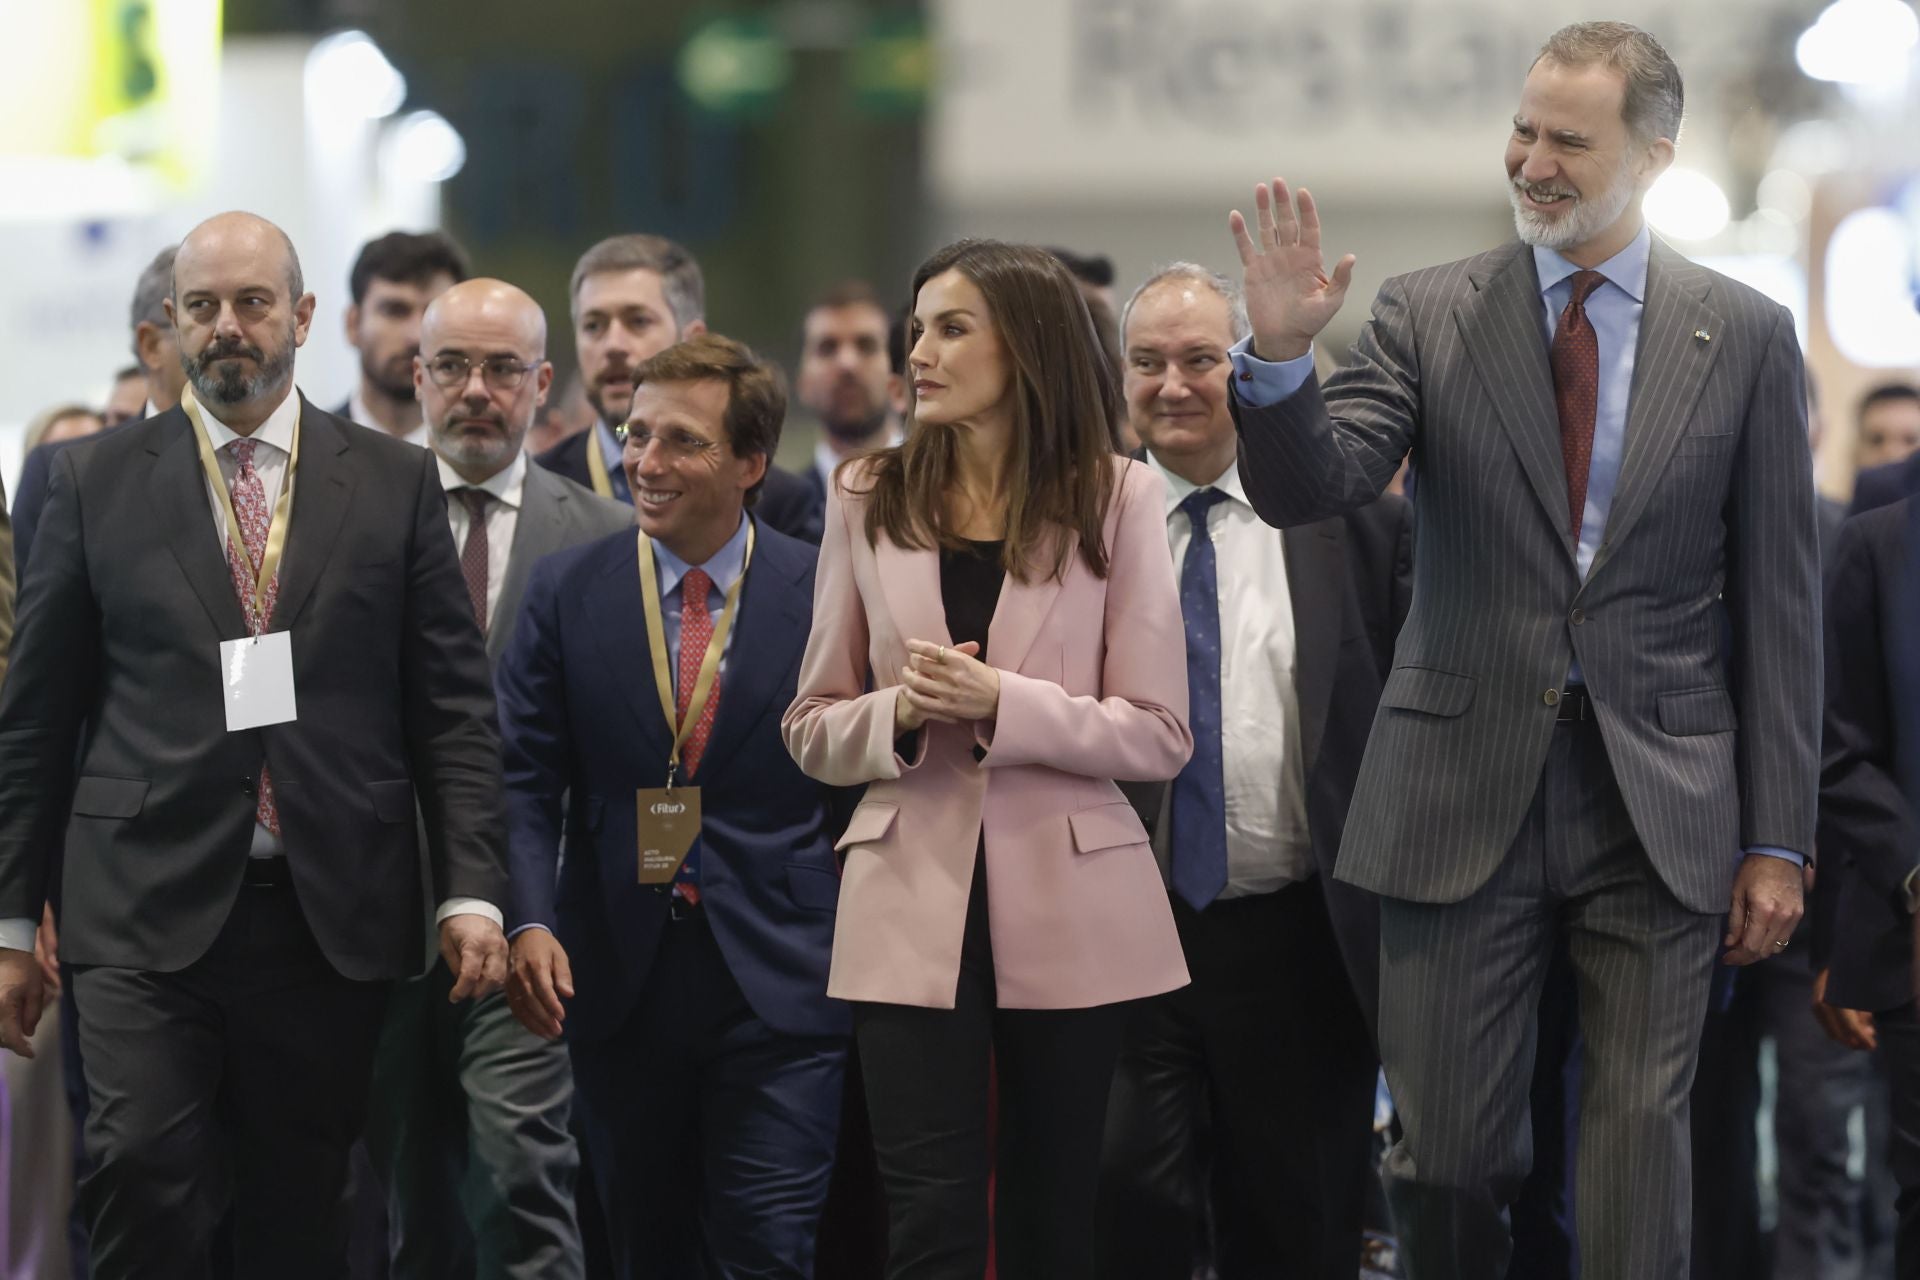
[996,639]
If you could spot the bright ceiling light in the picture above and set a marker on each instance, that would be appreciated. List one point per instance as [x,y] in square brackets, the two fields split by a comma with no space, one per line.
[347,72]
[423,146]
[1869,304]
[1687,205]
[1860,42]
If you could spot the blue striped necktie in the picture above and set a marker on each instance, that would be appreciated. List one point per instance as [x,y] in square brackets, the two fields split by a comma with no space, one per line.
[1199,792]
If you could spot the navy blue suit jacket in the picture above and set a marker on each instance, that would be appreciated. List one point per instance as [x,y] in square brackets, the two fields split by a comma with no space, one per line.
[1878,486]
[582,729]
[1870,765]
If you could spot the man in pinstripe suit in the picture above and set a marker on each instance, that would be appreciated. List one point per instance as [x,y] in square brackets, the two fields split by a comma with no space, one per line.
[1614,481]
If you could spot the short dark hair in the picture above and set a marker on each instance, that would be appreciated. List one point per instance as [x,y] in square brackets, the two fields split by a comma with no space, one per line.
[1655,97]
[1886,393]
[131,371]
[405,257]
[756,397]
[684,288]
[150,294]
[1095,269]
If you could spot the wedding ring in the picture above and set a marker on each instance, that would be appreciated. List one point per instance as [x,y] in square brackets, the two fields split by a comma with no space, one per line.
[1780,946]
[943,654]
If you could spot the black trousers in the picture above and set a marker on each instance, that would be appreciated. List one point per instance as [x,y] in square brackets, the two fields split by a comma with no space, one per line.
[1245,1099]
[240,1080]
[927,1074]
[1899,1031]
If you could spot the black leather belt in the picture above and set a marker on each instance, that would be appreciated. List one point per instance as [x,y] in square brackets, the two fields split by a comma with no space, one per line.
[1575,704]
[266,873]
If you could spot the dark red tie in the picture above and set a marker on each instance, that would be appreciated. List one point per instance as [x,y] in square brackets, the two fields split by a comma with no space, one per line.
[473,553]
[1576,391]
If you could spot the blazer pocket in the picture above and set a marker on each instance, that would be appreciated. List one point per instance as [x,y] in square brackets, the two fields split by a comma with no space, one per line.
[392,801]
[1429,690]
[812,888]
[1695,711]
[1708,442]
[100,797]
[1106,826]
[869,822]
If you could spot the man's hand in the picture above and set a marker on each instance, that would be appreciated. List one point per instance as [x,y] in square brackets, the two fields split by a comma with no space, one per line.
[1290,297]
[476,951]
[23,994]
[540,980]
[1850,1027]
[1767,903]
[46,950]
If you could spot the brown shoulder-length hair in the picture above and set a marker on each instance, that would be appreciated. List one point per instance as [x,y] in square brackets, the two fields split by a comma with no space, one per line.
[1060,477]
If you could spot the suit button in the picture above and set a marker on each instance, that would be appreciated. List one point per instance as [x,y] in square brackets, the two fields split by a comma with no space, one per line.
[246,785]
[1579,617]
[1551,697]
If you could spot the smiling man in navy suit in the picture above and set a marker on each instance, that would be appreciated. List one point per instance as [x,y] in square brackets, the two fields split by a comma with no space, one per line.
[645,681]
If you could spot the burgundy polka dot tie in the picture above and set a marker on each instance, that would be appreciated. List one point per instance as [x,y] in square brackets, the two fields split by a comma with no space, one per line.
[1576,391]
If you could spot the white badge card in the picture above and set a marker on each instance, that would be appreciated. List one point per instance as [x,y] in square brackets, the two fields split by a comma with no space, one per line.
[256,675]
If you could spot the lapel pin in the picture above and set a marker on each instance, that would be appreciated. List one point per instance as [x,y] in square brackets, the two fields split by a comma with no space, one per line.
[1701,335]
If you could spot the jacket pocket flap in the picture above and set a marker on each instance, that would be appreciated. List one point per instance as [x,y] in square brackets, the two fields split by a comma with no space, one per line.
[813,887]
[869,823]
[98,797]
[1692,711]
[1429,689]
[392,801]
[1105,827]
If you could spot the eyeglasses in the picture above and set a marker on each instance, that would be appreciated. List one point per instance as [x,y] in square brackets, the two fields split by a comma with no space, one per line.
[503,373]
[677,441]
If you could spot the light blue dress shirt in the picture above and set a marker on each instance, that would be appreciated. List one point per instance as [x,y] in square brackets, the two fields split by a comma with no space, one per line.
[725,567]
[610,454]
[1614,311]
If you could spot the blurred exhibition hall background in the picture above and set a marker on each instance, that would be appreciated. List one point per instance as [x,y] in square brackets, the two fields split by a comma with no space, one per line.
[794,143]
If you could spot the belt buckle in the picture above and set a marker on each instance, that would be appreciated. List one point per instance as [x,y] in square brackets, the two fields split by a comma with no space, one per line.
[1573,706]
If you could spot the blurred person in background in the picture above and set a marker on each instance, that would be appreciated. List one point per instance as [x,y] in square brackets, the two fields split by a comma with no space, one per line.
[707,1057]
[60,424]
[127,399]
[995,638]
[1093,273]
[1223,1114]
[632,297]
[468,1114]
[1555,755]
[1888,446]
[845,381]
[393,279]
[566,413]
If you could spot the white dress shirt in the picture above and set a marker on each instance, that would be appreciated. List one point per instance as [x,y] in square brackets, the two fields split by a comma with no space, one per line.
[508,486]
[357,411]
[1268,846]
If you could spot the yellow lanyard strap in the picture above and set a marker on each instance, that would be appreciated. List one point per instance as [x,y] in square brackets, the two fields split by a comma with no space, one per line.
[657,642]
[236,536]
[597,465]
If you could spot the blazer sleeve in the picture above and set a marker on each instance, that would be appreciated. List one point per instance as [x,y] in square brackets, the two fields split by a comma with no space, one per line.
[1866,820]
[1300,462]
[1772,595]
[29,500]
[9,582]
[1136,731]
[44,702]
[535,731]
[448,711]
[839,730]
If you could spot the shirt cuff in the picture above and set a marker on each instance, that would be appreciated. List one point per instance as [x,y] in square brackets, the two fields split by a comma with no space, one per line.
[1768,851]
[468,907]
[1908,885]
[18,934]
[1259,383]
[523,928]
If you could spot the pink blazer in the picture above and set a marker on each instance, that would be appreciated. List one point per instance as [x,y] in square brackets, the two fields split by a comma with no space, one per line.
[1093,687]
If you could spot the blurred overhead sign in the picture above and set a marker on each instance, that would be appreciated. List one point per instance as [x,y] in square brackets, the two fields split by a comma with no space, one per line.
[1147,99]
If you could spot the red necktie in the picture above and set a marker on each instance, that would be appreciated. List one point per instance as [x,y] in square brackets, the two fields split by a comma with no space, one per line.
[250,508]
[1576,391]
[473,552]
[696,632]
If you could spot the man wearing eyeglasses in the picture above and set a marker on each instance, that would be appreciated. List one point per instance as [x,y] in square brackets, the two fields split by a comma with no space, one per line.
[682,945]
[468,1123]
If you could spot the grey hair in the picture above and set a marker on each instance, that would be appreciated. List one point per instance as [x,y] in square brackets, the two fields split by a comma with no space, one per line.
[1236,301]
[150,296]
[1655,100]
[680,279]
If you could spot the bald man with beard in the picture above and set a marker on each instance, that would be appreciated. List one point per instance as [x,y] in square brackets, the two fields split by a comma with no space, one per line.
[469,1114]
[246,656]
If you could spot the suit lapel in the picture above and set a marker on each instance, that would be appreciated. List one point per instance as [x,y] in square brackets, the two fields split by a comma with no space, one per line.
[772,627]
[539,530]
[1670,367]
[322,492]
[1019,614]
[184,513]
[620,632]
[910,581]
[1503,327]
[1316,556]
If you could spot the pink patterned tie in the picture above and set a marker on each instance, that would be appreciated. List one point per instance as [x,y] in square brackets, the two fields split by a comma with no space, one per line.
[250,507]
[696,633]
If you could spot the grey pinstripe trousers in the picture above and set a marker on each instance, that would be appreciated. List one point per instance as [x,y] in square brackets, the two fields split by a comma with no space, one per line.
[1459,988]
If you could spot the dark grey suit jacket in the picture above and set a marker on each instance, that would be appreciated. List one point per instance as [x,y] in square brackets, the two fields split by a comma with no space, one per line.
[1711,533]
[555,513]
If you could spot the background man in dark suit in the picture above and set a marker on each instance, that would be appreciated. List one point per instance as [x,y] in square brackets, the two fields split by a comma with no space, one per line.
[469,1111]
[1888,431]
[236,902]
[633,296]
[393,279]
[1870,820]
[707,1058]
[1289,635]
[1614,491]
[844,379]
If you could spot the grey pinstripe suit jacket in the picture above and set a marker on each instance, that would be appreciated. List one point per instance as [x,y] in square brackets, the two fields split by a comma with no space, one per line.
[1696,627]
